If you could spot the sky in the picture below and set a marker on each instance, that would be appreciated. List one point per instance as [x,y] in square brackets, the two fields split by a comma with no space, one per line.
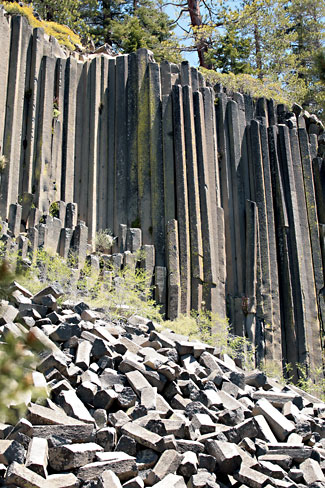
[173,13]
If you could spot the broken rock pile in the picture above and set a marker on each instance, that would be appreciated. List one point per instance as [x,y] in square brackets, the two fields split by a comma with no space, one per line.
[131,406]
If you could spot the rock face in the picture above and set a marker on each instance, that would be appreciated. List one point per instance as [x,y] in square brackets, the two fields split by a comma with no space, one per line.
[225,193]
[134,412]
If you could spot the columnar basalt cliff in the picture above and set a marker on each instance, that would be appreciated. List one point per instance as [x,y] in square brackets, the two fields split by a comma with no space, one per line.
[230,191]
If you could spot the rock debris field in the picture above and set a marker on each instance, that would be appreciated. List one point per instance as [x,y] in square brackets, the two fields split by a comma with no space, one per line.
[130,406]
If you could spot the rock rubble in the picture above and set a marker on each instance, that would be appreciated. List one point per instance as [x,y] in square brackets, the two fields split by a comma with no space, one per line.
[131,406]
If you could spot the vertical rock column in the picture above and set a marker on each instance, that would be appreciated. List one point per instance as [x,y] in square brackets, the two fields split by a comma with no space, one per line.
[57,130]
[263,201]
[304,299]
[173,270]
[182,201]
[69,126]
[238,202]
[249,302]
[94,101]
[103,146]
[132,140]
[311,208]
[214,195]
[273,332]
[168,141]
[289,334]
[120,186]
[209,223]
[81,140]
[193,201]
[226,192]
[111,145]
[31,108]
[43,136]
[5,24]
[156,164]
[15,87]
[144,179]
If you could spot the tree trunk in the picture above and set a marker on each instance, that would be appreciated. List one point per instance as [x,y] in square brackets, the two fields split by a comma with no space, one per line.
[258,52]
[196,21]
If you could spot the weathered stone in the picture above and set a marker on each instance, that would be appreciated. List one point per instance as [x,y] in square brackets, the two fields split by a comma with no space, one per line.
[251,477]
[108,479]
[281,426]
[10,451]
[37,456]
[143,436]
[171,481]
[189,464]
[65,457]
[226,454]
[74,407]
[202,479]
[311,471]
[121,464]
[168,463]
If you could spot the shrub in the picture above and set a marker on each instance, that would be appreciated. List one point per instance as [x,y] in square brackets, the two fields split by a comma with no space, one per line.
[17,361]
[62,33]
[212,329]
[126,293]
[104,241]
[245,83]
[3,162]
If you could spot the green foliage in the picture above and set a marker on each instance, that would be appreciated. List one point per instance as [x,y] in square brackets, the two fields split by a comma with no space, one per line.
[310,381]
[3,162]
[231,53]
[126,293]
[17,360]
[46,269]
[212,329]
[245,83]
[104,241]
[54,209]
[62,33]
[16,383]
[121,293]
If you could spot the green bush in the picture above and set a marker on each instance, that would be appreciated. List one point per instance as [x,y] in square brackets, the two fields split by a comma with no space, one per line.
[126,293]
[62,33]
[212,329]
[104,241]
[17,361]
[245,83]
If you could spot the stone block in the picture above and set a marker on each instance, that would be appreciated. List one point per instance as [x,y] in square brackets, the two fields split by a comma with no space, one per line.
[10,451]
[226,454]
[74,407]
[121,464]
[71,456]
[108,479]
[37,456]
[143,436]
[251,477]
[14,219]
[19,475]
[134,239]
[168,463]
[311,471]
[280,425]
[171,481]
[189,464]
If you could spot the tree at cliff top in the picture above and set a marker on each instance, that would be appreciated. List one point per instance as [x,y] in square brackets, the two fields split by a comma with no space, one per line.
[277,40]
[126,25]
